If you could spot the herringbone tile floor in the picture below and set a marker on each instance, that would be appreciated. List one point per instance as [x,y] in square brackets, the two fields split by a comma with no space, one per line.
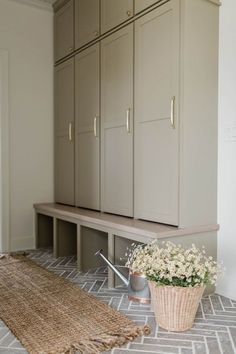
[214,330]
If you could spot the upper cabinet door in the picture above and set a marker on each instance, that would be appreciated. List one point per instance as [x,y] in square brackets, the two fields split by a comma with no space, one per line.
[156,115]
[87,119]
[140,5]
[64,30]
[117,122]
[87,25]
[114,12]
[64,137]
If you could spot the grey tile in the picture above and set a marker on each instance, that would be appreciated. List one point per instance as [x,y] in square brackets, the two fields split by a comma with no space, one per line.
[168,341]
[206,306]
[217,305]
[199,348]
[225,343]
[232,331]
[213,346]
[226,313]
[115,302]
[209,326]
[151,321]
[16,344]
[124,305]
[147,348]
[180,336]
[201,332]
[225,301]
[7,339]
[12,351]
[97,286]
[230,309]
[186,351]
[199,313]
[124,351]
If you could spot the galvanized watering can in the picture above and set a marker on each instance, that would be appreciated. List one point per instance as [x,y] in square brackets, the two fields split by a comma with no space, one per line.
[138,289]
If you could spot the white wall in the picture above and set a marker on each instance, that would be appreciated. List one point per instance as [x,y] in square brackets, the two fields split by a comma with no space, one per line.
[27,34]
[227,148]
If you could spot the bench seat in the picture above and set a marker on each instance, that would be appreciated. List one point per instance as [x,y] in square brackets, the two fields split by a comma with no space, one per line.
[56,222]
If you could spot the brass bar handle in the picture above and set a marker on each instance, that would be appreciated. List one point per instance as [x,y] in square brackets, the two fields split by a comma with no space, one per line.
[172,112]
[70,131]
[128,120]
[95,131]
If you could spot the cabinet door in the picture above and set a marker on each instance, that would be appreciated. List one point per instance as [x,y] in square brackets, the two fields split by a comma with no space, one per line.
[156,115]
[64,140]
[140,5]
[87,128]
[86,21]
[64,30]
[114,12]
[117,125]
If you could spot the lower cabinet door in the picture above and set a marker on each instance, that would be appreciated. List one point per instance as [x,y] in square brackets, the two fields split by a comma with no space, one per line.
[64,133]
[87,128]
[156,115]
[64,170]
[117,122]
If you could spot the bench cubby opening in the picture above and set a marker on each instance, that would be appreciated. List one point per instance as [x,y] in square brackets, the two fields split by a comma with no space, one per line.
[44,231]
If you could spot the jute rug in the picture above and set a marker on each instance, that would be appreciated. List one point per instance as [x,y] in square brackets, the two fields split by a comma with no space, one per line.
[50,315]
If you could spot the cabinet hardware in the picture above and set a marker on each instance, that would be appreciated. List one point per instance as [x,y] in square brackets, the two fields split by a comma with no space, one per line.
[129,13]
[70,131]
[96,33]
[172,112]
[128,120]
[95,126]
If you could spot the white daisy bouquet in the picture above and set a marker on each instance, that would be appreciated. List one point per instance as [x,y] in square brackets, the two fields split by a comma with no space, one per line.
[173,265]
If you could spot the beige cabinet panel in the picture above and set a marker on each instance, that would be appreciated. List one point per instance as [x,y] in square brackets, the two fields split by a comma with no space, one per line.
[64,170]
[87,128]
[64,138]
[114,12]
[64,31]
[87,25]
[140,5]
[156,140]
[117,122]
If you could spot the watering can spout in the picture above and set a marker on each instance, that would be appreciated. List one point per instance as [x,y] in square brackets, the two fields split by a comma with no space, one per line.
[115,270]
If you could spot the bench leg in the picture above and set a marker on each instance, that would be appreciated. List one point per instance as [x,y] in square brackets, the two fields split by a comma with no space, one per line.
[79,255]
[111,257]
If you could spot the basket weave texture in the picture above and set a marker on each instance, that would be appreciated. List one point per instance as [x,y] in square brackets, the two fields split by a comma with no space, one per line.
[175,307]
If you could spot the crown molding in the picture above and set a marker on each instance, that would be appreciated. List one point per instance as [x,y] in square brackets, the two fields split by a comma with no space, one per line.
[40,4]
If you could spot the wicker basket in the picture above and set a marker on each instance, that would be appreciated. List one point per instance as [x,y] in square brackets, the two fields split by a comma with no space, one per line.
[175,307]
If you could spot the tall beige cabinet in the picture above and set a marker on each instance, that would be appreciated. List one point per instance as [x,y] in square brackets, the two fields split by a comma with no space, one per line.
[143,78]
[64,30]
[64,133]
[156,119]
[117,122]
[87,25]
[87,131]
[114,12]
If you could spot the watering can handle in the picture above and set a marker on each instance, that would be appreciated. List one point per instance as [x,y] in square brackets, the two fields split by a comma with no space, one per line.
[121,276]
[98,252]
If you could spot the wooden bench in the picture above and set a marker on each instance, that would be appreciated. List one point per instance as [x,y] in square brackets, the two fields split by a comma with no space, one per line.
[73,230]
